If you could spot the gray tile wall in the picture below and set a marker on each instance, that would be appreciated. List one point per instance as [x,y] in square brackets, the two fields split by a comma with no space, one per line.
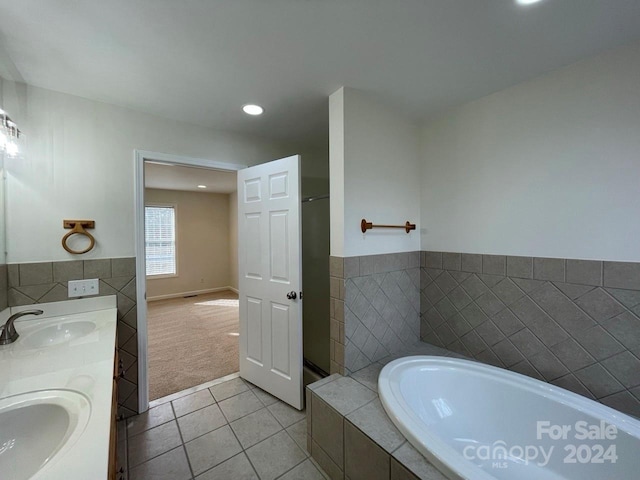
[30,283]
[380,307]
[573,323]
[336,314]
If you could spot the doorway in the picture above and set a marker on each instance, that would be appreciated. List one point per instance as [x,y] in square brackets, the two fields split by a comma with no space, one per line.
[318,235]
[188,317]
[191,276]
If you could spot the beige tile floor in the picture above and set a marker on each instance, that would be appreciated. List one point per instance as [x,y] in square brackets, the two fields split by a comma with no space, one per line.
[227,429]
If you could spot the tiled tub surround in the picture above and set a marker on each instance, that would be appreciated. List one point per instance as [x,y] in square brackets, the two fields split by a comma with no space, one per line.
[351,436]
[31,283]
[573,323]
[336,314]
[375,308]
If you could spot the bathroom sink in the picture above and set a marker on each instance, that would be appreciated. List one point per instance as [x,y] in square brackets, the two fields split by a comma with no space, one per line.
[59,333]
[38,427]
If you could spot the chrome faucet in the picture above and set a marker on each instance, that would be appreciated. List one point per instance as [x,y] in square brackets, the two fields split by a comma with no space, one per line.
[9,334]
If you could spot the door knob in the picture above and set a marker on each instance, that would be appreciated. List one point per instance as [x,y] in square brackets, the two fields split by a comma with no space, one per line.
[292,295]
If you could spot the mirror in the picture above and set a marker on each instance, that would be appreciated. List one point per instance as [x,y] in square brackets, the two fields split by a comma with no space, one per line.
[3,244]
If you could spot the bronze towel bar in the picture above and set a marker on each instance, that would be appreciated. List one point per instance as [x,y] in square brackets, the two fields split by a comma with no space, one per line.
[364,226]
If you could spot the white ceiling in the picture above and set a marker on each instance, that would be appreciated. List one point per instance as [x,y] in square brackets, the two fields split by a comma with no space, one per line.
[200,61]
[176,177]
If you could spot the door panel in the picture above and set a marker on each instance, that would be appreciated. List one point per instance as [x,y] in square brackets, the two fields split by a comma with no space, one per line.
[269,239]
[278,186]
[253,247]
[279,241]
[254,330]
[281,363]
[252,190]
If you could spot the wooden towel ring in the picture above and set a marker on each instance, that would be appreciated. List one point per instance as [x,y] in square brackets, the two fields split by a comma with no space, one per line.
[78,227]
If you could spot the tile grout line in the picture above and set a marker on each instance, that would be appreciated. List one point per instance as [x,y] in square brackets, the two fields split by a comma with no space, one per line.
[264,406]
[126,448]
[282,429]
[190,391]
[227,423]
[244,451]
[151,428]
[215,402]
[324,475]
[126,455]
[294,467]
[237,439]
[570,372]
[344,448]
[225,415]
[155,456]
[557,324]
[184,446]
[579,307]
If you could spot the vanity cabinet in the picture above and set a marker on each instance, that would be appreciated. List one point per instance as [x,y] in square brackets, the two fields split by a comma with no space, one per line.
[67,358]
[113,438]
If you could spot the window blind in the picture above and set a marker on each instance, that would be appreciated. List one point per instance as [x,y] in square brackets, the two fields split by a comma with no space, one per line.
[160,240]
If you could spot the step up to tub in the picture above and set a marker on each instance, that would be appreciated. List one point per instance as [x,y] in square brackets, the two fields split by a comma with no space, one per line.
[350,435]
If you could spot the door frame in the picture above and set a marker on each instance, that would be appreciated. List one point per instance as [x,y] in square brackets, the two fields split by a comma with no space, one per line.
[139,157]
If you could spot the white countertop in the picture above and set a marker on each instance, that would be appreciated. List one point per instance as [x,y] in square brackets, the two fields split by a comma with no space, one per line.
[83,364]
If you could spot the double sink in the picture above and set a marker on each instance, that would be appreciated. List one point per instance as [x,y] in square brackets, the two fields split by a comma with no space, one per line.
[39,427]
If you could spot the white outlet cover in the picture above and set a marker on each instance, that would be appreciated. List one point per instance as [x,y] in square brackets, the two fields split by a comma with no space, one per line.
[83,288]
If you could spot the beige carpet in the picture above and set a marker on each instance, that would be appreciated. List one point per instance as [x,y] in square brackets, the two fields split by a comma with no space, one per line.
[191,341]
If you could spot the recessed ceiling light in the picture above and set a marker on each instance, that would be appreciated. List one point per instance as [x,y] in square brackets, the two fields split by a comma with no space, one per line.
[202,186]
[253,109]
[527,2]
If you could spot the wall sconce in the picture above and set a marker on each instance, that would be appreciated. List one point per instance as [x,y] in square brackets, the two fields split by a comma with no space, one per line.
[10,134]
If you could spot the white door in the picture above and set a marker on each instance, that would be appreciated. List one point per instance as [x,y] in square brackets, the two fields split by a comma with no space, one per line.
[270,278]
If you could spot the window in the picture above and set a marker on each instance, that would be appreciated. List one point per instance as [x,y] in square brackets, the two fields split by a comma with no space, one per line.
[160,240]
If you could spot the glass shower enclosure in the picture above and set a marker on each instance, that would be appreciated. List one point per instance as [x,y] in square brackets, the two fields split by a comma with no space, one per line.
[315,284]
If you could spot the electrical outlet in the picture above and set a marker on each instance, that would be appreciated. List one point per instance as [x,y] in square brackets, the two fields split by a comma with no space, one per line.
[83,288]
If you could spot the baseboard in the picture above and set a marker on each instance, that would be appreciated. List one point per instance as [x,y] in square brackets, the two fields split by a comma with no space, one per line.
[234,290]
[185,294]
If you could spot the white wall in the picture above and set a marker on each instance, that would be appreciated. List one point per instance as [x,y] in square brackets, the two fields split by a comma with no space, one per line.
[79,164]
[233,240]
[379,162]
[548,168]
[336,172]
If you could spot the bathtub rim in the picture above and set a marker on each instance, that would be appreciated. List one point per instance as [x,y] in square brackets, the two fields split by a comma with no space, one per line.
[441,454]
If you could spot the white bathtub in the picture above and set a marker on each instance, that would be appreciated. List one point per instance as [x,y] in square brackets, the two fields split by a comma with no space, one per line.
[475,421]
